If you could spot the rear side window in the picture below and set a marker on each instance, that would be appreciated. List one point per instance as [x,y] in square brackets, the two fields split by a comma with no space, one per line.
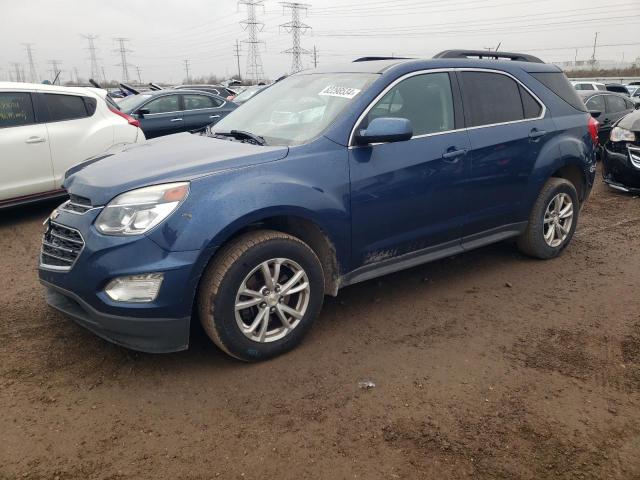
[194,102]
[531,107]
[584,86]
[596,103]
[490,98]
[601,87]
[16,109]
[615,104]
[65,107]
[425,100]
[90,104]
[557,82]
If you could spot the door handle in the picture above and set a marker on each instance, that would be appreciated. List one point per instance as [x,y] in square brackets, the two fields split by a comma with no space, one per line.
[214,116]
[535,133]
[35,140]
[176,119]
[453,155]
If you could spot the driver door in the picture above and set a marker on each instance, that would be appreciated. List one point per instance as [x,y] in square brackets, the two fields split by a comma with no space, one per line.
[409,196]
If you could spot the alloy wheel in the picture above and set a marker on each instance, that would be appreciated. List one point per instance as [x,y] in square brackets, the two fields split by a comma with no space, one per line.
[558,219]
[272,300]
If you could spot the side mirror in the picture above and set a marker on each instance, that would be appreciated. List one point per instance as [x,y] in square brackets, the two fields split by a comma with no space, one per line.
[142,112]
[385,130]
[595,113]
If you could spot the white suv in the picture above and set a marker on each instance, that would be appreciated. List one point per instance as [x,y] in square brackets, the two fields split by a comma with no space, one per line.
[46,129]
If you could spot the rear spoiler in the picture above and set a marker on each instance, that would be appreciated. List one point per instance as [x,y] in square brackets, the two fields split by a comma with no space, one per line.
[154,86]
[128,88]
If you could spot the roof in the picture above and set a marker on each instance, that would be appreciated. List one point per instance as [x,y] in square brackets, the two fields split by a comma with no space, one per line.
[591,93]
[382,66]
[41,87]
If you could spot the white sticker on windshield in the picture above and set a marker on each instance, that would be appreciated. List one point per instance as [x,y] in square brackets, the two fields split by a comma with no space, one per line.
[344,92]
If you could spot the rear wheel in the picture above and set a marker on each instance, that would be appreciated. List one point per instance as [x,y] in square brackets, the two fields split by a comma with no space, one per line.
[552,221]
[260,295]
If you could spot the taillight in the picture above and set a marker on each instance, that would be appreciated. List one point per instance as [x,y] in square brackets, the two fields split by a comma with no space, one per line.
[128,118]
[593,129]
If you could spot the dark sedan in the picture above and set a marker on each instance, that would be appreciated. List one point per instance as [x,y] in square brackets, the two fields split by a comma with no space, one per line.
[612,107]
[621,159]
[164,112]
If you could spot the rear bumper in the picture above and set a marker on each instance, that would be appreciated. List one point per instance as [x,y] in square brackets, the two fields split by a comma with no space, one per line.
[152,335]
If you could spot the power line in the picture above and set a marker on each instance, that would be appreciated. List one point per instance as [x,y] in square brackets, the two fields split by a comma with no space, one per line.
[92,56]
[255,70]
[296,28]
[123,50]
[33,75]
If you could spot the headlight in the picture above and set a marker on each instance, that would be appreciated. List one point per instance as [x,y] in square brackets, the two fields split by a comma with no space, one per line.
[138,211]
[619,134]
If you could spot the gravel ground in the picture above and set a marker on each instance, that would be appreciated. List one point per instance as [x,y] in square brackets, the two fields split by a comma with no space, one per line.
[486,365]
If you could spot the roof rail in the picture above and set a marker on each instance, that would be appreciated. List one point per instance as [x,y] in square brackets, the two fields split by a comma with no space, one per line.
[518,57]
[371,59]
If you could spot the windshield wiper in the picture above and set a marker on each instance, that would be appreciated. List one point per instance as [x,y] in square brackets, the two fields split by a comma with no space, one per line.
[241,134]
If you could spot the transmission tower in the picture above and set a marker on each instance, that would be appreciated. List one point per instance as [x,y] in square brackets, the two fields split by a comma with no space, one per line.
[236,53]
[315,57]
[138,71]
[253,26]
[55,71]
[75,71]
[296,28]
[95,72]
[186,68]
[17,72]
[33,74]
[123,50]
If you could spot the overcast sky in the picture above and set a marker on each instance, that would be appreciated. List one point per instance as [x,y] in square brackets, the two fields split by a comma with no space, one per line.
[163,33]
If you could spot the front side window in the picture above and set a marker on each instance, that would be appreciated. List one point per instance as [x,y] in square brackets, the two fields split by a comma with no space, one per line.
[165,104]
[490,98]
[65,107]
[425,100]
[195,102]
[615,104]
[16,109]
[596,103]
[297,109]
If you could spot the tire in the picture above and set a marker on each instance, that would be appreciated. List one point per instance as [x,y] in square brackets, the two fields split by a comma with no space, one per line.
[240,264]
[532,242]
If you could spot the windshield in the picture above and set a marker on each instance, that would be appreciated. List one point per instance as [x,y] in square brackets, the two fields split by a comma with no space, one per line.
[128,104]
[298,108]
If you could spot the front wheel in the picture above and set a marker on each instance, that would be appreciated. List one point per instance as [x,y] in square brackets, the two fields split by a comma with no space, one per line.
[552,221]
[261,294]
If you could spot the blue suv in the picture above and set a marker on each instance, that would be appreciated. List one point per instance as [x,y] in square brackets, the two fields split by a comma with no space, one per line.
[328,178]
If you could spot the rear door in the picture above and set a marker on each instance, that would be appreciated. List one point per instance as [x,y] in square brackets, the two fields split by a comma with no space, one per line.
[164,118]
[617,107]
[507,130]
[76,129]
[201,110]
[25,160]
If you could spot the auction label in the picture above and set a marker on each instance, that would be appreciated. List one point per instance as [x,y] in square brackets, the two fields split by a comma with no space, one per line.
[344,92]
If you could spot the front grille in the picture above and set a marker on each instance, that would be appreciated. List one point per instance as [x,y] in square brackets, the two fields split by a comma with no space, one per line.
[61,247]
[77,204]
[634,154]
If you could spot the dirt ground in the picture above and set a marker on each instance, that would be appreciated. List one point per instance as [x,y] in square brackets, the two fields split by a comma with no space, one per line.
[486,365]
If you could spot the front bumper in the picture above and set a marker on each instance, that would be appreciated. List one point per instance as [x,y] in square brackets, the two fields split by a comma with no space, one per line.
[152,335]
[159,326]
[619,171]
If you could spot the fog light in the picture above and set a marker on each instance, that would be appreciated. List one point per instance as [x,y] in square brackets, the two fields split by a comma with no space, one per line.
[135,288]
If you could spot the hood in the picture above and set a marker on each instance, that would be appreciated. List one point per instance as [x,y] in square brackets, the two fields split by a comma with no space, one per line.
[166,159]
[631,121]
